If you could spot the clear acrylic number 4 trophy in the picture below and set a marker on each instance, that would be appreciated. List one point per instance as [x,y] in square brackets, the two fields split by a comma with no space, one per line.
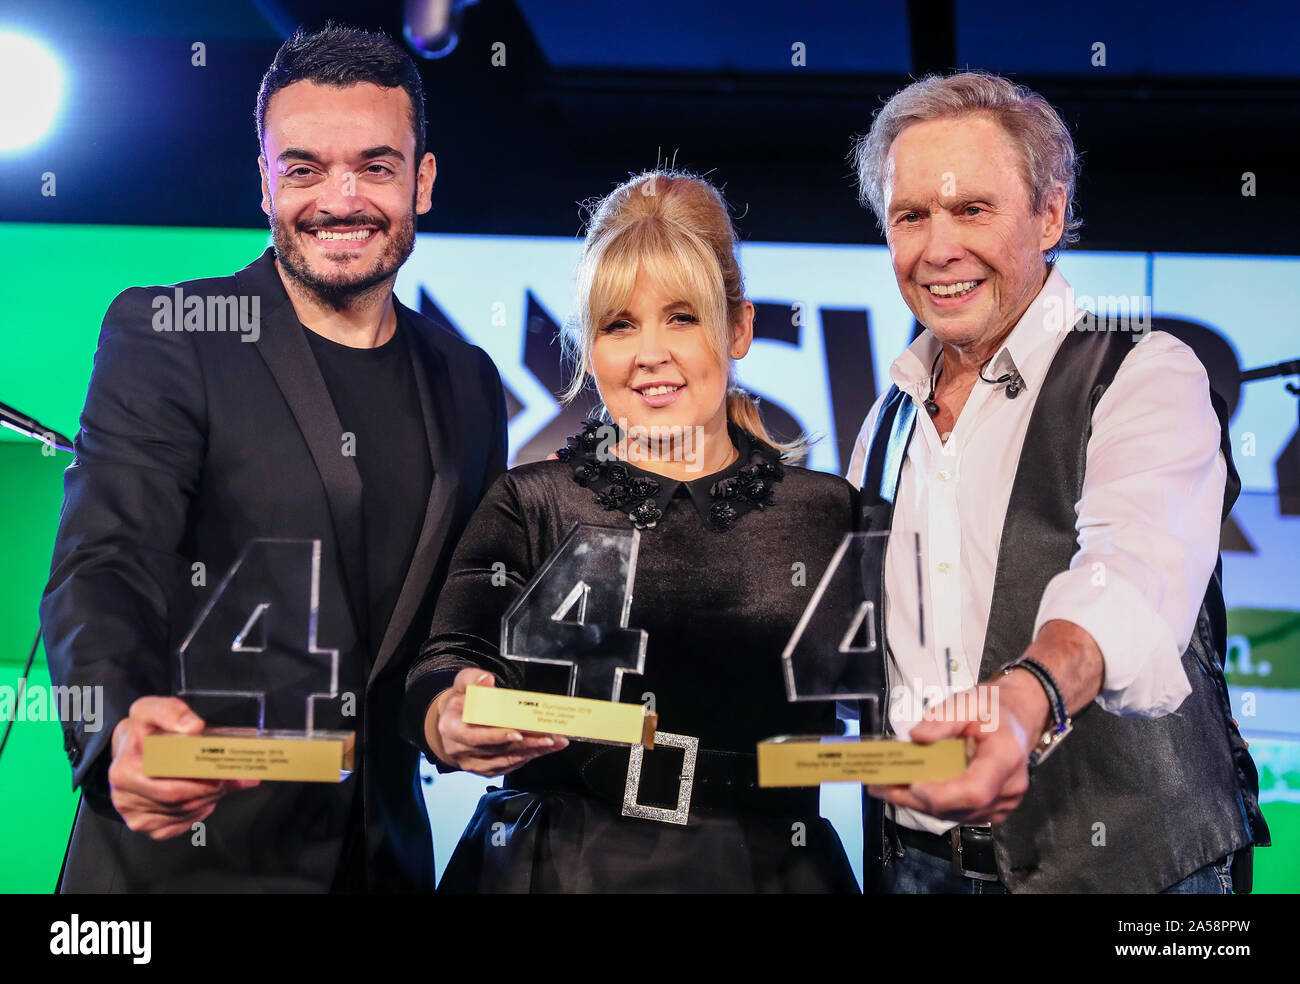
[568,632]
[251,668]
[837,653]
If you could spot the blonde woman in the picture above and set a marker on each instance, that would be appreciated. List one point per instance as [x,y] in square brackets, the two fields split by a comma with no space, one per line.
[726,521]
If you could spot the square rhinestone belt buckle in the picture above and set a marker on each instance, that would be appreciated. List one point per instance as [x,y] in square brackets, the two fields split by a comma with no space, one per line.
[631,808]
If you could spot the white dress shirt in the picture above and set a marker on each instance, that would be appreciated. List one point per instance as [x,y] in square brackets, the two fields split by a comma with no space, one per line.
[1148,521]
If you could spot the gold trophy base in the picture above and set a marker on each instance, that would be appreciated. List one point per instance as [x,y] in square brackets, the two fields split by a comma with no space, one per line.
[553,714]
[810,760]
[246,753]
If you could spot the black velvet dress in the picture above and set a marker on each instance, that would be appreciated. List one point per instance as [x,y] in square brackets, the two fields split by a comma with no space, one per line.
[726,565]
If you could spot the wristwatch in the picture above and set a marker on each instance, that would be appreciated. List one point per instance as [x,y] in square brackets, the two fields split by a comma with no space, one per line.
[1061,724]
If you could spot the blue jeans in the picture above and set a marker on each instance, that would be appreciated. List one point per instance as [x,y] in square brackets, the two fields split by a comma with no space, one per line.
[908,871]
[1213,879]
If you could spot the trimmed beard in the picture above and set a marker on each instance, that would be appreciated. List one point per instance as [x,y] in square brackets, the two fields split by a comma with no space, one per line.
[341,291]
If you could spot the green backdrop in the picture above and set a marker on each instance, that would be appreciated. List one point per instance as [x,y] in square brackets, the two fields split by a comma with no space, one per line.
[46,352]
[47,346]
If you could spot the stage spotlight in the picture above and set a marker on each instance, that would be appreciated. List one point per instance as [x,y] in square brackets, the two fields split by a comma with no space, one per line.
[31,88]
[432,27]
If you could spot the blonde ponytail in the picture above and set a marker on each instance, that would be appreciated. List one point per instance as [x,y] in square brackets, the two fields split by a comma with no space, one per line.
[742,410]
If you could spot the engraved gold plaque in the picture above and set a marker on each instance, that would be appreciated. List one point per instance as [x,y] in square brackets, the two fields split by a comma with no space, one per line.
[245,753]
[554,714]
[797,760]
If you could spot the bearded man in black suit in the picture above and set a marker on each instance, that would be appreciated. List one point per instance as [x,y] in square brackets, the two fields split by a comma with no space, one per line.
[325,411]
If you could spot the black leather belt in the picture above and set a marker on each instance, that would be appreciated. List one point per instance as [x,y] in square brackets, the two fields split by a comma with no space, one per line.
[969,849]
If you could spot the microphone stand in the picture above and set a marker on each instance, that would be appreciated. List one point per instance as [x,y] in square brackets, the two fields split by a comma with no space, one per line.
[20,423]
[1288,462]
[1291,368]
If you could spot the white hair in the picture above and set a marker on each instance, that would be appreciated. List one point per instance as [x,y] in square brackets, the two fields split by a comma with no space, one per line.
[1041,136]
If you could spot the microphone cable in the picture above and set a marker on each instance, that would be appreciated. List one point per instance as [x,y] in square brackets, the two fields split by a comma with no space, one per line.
[22,685]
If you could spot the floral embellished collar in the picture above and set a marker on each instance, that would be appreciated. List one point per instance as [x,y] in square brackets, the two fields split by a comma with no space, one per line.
[721,498]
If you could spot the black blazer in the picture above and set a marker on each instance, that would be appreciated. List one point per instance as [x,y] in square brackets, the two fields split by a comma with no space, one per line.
[192,444]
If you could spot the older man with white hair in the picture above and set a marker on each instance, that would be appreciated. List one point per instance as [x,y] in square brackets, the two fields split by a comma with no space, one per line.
[1067,485]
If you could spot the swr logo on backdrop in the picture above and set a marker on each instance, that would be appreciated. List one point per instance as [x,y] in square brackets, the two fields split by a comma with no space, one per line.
[849,375]
[848,371]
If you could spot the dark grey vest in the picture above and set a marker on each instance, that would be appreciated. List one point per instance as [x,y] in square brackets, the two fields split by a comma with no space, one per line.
[1125,804]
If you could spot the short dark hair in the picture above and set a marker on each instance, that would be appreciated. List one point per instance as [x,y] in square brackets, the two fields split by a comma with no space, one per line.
[343,56]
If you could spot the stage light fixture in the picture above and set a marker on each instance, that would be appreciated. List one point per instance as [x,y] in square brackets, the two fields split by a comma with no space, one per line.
[31,89]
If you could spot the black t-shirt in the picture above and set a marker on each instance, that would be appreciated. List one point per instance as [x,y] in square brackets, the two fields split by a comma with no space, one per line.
[375,397]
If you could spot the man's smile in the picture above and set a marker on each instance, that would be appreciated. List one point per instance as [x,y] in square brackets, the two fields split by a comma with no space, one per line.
[343,238]
[952,293]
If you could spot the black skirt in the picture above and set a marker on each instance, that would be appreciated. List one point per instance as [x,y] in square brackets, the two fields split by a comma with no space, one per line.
[564,841]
